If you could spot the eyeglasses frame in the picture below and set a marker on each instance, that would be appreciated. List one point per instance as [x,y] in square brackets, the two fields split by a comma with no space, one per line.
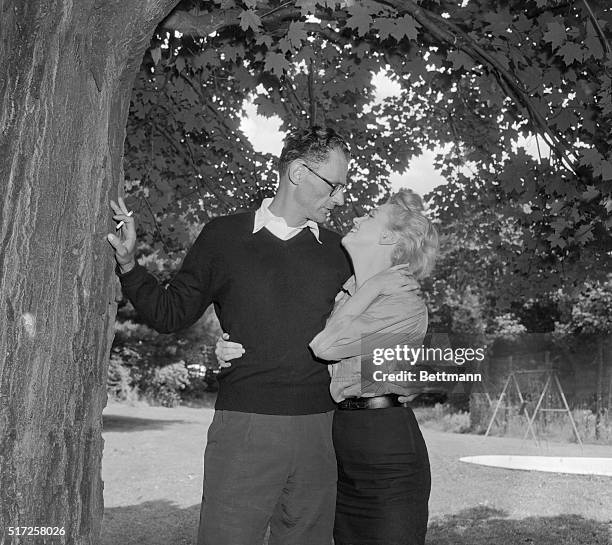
[336,188]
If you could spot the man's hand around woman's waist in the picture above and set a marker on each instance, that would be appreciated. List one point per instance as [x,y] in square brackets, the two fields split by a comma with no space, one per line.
[225,350]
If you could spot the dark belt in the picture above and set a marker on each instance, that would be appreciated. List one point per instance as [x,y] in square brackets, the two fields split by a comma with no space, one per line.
[377,402]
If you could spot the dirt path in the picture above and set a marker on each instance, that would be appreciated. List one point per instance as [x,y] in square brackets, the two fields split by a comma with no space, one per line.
[153,463]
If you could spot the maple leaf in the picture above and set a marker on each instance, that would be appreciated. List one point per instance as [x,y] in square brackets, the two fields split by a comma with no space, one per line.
[284,45]
[360,19]
[386,27]
[571,52]
[276,63]
[591,157]
[416,67]
[266,107]
[555,34]
[264,39]
[250,19]
[231,53]
[565,119]
[208,57]
[296,33]
[593,43]
[361,50]
[306,53]
[499,21]
[522,23]
[605,98]
[306,6]
[460,60]
[409,26]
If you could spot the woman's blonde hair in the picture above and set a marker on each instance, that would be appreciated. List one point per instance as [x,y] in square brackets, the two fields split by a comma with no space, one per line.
[419,238]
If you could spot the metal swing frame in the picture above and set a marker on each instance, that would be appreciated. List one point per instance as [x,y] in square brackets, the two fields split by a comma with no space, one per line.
[551,378]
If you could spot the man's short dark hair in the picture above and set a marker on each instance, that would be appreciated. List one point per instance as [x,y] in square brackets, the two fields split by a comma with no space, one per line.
[312,144]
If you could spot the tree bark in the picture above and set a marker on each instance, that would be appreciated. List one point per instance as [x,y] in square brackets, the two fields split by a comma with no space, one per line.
[66,72]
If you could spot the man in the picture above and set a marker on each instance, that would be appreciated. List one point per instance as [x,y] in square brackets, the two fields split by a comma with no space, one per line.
[272,275]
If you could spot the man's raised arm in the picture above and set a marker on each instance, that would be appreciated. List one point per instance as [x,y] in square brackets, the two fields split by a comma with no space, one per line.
[179,304]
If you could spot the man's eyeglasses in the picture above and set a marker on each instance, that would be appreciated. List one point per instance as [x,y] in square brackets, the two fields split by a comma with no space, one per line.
[336,188]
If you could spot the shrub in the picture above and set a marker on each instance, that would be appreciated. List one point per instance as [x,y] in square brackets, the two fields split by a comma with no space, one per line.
[163,384]
[119,381]
[120,384]
[144,362]
[442,417]
[507,327]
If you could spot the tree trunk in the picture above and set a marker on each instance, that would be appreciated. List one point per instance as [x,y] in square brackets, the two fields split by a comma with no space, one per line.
[66,72]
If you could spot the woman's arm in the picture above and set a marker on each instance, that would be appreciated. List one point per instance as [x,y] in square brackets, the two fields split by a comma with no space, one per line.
[383,283]
[366,321]
[355,305]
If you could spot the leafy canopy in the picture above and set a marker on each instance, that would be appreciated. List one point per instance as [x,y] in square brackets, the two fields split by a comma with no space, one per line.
[474,77]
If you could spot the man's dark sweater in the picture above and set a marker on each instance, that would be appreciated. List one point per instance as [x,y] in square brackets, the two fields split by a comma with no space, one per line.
[271,295]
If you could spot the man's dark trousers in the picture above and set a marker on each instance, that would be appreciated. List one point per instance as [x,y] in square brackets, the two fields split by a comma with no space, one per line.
[268,469]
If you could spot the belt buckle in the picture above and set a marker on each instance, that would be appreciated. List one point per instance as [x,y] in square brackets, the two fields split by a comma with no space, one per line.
[361,403]
[353,403]
[385,401]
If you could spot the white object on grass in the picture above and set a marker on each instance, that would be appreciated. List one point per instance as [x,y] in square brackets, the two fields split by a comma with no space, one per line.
[555,464]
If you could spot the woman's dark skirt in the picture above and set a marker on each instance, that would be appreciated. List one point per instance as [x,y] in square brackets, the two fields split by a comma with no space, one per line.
[383,478]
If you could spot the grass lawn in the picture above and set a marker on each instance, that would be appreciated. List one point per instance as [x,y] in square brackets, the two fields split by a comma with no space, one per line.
[153,463]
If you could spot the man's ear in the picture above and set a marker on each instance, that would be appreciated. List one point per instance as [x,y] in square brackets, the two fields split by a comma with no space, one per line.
[295,171]
[389,237]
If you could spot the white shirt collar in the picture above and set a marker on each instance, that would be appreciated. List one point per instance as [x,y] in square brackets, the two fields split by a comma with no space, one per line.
[349,285]
[278,225]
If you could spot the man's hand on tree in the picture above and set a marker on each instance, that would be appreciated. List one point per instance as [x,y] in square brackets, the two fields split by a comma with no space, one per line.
[124,244]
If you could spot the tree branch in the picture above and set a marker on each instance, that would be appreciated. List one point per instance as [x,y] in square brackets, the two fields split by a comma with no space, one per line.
[157,228]
[231,132]
[186,157]
[311,94]
[600,32]
[296,98]
[510,83]
[209,22]
[288,106]
[200,25]
[204,24]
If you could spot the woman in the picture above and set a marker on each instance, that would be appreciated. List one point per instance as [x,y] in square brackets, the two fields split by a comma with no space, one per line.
[383,466]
